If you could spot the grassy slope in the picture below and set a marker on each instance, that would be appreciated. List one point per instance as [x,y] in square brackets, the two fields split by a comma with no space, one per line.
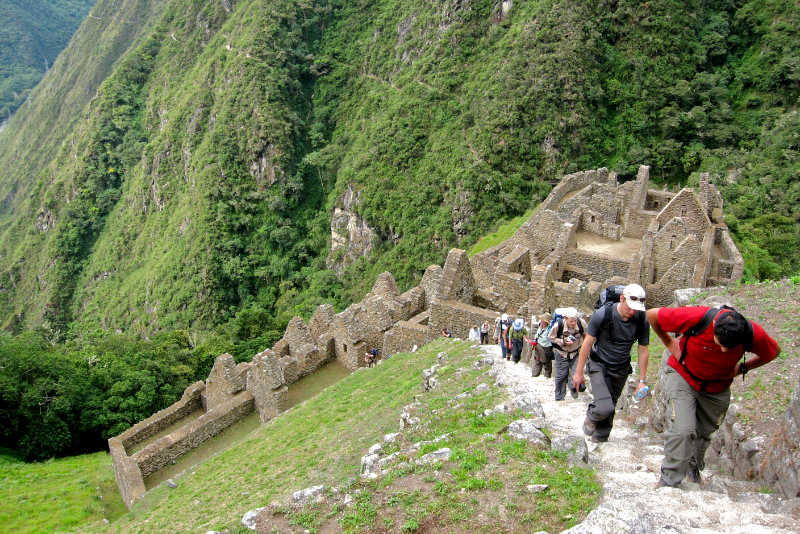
[56,495]
[322,440]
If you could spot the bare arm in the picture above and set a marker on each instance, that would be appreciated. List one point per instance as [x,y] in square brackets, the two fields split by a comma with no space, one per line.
[669,342]
[583,355]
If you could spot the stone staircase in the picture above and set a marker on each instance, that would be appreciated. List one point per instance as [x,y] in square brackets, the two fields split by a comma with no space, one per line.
[628,466]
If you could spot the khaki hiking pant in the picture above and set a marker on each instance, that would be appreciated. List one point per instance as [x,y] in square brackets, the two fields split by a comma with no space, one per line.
[692,418]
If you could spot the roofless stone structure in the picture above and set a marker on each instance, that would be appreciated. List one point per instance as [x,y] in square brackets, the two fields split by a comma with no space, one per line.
[590,232]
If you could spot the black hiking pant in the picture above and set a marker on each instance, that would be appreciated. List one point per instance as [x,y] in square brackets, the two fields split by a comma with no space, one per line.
[606,388]
[565,368]
[516,350]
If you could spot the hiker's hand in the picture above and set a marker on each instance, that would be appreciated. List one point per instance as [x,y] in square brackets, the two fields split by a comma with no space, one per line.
[674,348]
[578,379]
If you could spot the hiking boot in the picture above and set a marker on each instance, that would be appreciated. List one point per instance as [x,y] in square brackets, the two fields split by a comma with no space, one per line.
[693,475]
[662,484]
[574,393]
[597,439]
[536,369]
[589,426]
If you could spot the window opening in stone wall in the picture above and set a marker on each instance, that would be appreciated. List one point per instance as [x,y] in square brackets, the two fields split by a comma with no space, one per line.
[345,346]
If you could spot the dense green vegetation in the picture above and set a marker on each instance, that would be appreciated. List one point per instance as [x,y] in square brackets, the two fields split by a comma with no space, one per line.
[70,398]
[206,169]
[31,36]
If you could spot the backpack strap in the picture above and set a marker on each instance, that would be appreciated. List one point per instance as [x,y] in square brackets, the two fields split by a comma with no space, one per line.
[698,328]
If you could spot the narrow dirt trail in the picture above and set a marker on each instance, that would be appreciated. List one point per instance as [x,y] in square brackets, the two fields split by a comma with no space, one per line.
[628,466]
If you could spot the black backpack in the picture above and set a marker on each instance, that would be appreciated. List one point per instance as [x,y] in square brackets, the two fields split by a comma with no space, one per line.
[609,294]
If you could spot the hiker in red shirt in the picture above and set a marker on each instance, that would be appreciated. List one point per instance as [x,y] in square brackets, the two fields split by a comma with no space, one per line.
[701,368]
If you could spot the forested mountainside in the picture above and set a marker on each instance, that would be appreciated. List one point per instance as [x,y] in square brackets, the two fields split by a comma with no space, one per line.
[32,34]
[195,188]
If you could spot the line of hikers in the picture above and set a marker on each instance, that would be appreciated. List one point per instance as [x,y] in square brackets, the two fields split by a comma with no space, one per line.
[709,349]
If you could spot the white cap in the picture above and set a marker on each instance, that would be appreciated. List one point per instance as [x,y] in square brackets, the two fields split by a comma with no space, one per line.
[570,313]
[504,317]
[634,296]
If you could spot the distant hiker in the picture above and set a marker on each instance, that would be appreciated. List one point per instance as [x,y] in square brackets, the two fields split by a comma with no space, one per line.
[542,348]
[485,333]
[371,356]
[612,331]
[566,335]
[501,335]
[446,333]
[473,334]
[700,369]
[517,336]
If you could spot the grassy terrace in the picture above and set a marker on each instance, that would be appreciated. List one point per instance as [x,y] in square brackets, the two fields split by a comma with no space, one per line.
[482,487]
[56,495]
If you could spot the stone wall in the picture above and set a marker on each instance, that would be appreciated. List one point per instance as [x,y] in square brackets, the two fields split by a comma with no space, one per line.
[780,463]
[189,403]
[598,266]
[404,336]
[458,317]
[225,380]
[169,448]
[686,205]
[457,282]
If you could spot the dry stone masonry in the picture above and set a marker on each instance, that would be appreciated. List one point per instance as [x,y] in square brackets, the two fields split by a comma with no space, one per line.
[590,232]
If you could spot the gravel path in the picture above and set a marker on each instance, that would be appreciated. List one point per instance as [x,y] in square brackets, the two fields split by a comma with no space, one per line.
[628,466]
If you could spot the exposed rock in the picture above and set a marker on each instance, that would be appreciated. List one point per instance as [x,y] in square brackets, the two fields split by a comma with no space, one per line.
[526,429]
[249,518]
[351,236]
[312,493]
[536,488]
[574,446]
[391,438]
[441,455]
[528,403]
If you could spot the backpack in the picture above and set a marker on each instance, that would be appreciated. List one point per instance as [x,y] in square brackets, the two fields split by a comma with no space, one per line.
[700,327]
[609,294]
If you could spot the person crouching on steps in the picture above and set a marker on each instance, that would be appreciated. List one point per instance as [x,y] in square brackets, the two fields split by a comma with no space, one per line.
[517,336]
[567,336]
[698,377]
[542,348]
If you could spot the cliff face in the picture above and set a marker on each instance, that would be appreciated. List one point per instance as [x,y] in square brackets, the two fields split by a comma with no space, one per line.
[183,160]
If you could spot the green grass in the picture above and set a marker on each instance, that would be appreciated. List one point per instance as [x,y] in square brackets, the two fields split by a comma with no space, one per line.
[322,440]
[503,232]
[56,495]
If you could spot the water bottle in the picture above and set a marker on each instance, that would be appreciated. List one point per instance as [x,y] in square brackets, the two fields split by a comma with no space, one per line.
[642,393]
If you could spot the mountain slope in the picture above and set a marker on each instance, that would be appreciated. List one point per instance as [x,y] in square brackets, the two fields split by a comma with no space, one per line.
[198,186]
[32,35]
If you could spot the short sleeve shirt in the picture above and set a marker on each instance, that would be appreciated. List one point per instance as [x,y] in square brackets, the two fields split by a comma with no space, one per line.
[612,347]
[704,357]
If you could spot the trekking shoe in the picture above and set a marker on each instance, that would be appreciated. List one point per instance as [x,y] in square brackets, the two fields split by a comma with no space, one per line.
[589,426]
[536,369]
[662,484]
[597,439]
[693,475]
[574,393]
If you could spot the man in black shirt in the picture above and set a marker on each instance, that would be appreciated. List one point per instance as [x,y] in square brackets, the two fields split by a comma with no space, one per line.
[612,331]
